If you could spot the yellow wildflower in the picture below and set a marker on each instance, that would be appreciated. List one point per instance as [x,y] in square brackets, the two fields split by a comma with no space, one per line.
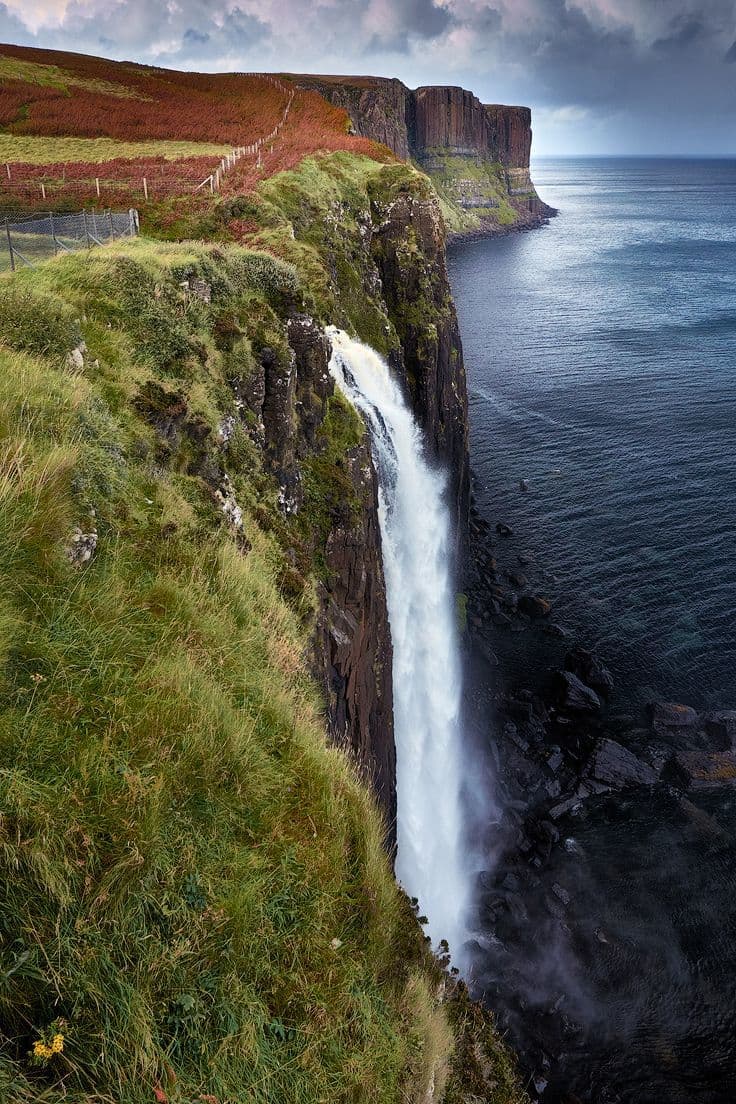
[58,1044]
[40,1050]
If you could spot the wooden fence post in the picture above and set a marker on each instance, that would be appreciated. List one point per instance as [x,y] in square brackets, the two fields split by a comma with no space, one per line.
[145,188]
[97,186]
[10,246]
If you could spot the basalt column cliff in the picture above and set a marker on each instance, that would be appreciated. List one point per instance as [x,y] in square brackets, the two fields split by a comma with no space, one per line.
[476,154]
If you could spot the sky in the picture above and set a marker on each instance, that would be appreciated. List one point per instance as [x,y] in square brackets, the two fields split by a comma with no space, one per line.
[601,76]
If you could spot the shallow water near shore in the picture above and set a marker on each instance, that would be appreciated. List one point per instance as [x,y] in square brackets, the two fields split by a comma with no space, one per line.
[601,357]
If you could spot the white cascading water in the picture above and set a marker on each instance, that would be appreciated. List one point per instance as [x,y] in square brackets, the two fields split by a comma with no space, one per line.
[431,856]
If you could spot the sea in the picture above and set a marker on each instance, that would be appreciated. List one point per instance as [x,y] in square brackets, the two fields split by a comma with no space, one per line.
[601,360]
[601,356]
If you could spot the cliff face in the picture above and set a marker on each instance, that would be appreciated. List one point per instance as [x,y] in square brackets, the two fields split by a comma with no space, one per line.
[476,154]
[352,637]
[409,249]
[380,241]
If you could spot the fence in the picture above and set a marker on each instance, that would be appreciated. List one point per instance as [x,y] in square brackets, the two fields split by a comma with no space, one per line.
[36,239]
[139,180]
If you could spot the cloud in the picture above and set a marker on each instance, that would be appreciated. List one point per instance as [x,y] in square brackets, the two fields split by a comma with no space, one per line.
[660,66]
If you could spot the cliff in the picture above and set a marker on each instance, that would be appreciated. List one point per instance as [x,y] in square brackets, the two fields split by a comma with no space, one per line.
[476,154]
[198,787]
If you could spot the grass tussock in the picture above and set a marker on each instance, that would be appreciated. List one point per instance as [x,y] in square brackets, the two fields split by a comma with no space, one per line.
[195,900]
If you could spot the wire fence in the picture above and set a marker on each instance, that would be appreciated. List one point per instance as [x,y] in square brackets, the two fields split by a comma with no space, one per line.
[131,181]
[36,239]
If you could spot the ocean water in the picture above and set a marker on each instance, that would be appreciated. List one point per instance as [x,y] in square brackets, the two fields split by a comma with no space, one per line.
[601,355]
[601,358]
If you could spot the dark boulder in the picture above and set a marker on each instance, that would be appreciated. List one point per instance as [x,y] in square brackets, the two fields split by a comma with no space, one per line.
[701,768]
[534,606]
[590,670]
[669,716]
[721,727]
[573,696]
[504,530]
[617,767]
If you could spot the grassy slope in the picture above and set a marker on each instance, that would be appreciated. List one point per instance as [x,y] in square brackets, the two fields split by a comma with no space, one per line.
[181,853]
[451,175]
[191,880]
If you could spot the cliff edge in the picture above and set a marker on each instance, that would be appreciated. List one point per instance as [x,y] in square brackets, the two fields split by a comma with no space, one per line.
[476,154]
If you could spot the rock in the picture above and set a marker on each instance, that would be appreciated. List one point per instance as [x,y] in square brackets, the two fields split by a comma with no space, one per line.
[563,807]
[534,606]
[511,883]
[75,358]
[574,696]
[721,727]
[616,766]
[517,579]
[702,768]
[523,485]
[560,893]
[504,530]
[666,716]
[81,547]
[555,760]
[590,670]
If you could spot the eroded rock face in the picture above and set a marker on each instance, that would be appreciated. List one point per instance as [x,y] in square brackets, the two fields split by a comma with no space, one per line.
[399,253]
[353,640]
[409,249]
[511,134]
[447,117]
[378,106]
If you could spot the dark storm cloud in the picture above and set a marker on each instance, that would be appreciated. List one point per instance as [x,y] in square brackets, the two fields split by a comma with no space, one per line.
[599,74]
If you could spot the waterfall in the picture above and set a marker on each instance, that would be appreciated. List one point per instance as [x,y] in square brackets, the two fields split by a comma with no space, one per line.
[417,559]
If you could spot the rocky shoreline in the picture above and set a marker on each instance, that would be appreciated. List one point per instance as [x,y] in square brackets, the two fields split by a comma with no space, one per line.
[494,230]
[560,755]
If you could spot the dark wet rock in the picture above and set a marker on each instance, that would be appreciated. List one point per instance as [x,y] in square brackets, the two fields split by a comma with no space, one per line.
[501,621]
[511,883]
[504,530]
[701,768]
[616,766]
[721,727]
[555,760]
[574,696]
[590,670]
[561,894]
[517,579]
[666,716]
[551,628]
[534,605]
[563,807]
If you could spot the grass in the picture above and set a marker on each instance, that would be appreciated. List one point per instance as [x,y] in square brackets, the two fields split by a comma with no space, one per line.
[51,76]
[194,888]
[453,175]
[37,150]
[193,882]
